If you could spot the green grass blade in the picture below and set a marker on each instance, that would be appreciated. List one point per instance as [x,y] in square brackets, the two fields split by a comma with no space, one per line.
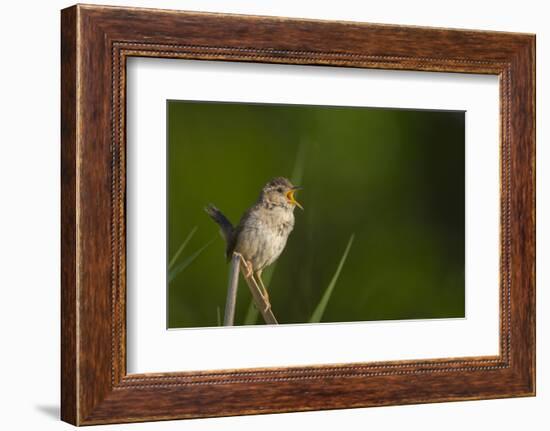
[320,309]
[299,163]
[180,249]
[179,268]
[252,313]
[218,316]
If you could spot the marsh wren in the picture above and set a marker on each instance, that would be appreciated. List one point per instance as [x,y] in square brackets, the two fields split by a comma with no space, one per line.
[261,235]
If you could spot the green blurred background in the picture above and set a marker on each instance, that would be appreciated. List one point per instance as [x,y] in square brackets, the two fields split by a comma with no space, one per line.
[392,178]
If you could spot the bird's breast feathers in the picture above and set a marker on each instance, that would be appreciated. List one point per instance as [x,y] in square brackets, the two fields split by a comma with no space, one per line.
[263,235]
[279,220]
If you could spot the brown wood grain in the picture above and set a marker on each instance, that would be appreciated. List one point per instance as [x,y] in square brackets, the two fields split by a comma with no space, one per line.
[96,41]
[69,369]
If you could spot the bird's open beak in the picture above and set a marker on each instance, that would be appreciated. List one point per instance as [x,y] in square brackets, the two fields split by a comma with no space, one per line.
[292,199]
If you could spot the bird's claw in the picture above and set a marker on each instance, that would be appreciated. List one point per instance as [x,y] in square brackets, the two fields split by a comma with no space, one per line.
[249,274]
[247,265]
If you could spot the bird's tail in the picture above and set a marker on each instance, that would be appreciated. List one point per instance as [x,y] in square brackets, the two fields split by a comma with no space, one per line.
[226,227]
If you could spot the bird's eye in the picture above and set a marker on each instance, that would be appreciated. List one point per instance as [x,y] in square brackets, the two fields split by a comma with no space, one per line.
[280,189]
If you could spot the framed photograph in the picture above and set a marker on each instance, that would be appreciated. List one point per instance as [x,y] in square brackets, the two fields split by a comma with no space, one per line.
[322,214]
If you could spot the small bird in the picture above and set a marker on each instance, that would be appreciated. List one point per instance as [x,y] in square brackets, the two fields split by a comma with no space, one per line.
[261,235]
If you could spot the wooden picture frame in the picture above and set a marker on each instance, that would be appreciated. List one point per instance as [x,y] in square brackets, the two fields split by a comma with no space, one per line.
[95,43]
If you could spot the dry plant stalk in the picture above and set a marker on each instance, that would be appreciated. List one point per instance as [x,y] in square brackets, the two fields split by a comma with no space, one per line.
[257,297]
[230,303]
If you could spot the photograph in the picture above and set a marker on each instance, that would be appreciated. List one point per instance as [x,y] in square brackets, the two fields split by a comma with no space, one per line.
[333,214]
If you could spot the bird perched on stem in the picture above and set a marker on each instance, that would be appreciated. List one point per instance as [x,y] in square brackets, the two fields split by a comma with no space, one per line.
[261,235]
